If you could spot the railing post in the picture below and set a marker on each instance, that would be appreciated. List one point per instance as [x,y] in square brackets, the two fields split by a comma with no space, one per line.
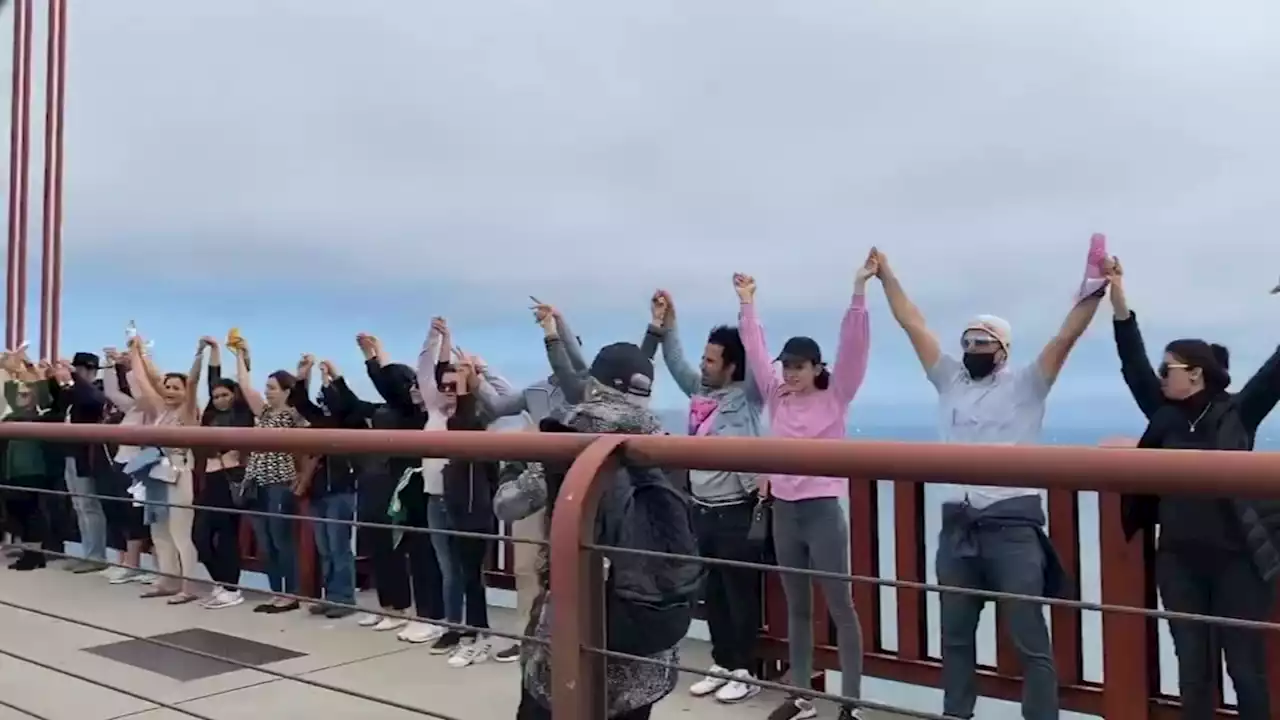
[1129,670]
[577,584]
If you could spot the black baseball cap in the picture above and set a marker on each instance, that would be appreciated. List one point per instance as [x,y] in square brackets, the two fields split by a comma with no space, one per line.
[801,348]
[85,360]
[624,367]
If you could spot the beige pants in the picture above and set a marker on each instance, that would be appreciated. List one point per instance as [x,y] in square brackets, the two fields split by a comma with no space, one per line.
[526,561]
[174,549]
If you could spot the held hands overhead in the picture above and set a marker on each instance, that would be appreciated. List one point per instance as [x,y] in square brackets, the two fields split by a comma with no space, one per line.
[745,285]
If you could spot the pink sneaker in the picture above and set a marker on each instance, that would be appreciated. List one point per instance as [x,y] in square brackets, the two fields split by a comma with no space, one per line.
[1093,279]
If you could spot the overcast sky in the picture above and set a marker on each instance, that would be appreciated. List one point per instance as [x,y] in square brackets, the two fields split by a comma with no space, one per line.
[309,168]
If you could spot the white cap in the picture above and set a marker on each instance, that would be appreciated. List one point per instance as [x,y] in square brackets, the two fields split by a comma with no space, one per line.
[997,328]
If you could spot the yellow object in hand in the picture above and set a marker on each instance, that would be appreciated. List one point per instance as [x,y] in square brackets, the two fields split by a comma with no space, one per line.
[234,339]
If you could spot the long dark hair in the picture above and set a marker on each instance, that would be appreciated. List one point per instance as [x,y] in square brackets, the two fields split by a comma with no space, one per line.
[286,381]
[241,414]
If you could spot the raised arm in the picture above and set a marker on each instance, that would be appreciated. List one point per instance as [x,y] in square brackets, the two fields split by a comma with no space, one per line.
[427,359]
[908,316]
[111,380]
[850,366]
[191,405]
[1135,365]
[142,382]
[572,348]
[215,363]
[499,383]
[662,331]
[759,363]
[252,397]
[1054,355]
[300,393]
[572,381]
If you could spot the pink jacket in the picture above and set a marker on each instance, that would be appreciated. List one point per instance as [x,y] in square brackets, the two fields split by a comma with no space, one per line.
[817,414]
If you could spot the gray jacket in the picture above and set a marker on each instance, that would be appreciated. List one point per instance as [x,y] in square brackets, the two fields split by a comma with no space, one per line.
[739,409]
[549,397]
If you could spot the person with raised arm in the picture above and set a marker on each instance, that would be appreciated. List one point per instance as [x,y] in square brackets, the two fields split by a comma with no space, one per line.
[545,398]
[331,491]
[722,403]
[399,495]
[24,464]
[1213,556]
[117,382]
[224,489]
[168,399]
[76,398]
[810,530]
[993,538]
[274,475]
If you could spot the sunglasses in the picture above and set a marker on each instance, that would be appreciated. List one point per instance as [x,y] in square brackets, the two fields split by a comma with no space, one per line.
[978,343]
[1166,367]
[447,387]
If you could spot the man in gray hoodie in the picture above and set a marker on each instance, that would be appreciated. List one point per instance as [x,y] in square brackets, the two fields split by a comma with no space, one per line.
[722,404]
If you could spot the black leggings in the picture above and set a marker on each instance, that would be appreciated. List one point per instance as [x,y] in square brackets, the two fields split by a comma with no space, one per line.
[26,516]
[124,519]
[418,581]
[217,533]
[469,555]
[531,709]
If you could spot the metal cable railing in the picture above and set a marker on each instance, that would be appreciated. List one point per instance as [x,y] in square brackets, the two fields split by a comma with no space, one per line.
[576,633]
[602,549]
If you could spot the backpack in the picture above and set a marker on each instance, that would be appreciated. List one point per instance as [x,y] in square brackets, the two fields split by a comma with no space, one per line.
[649,601]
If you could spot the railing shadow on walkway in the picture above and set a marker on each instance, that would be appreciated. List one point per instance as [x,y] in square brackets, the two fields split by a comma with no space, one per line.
[1128,688]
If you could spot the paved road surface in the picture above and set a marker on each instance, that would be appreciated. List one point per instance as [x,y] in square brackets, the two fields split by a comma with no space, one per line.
[336,653]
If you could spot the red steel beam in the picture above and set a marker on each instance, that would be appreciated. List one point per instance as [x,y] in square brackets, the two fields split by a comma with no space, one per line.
[55,311]
[15,305]
[52,75]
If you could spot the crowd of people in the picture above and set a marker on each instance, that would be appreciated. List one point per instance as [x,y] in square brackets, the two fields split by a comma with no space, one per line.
[1219,557]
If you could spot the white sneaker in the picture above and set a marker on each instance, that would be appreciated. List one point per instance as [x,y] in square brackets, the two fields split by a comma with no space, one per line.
[122,575]
[368,620]
[736,690]
[224,599]
[389,623]
[469,653]
[418,633]
[709,684]
[148,579]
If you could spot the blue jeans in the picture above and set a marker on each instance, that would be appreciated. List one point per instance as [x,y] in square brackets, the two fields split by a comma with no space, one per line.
[452,585]
[333,543]
[90,518]
[277,538]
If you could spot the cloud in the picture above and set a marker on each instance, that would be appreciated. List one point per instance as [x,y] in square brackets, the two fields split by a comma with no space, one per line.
[591,151]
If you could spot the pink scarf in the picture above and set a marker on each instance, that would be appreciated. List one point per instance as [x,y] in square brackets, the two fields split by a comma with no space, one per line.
[700,411]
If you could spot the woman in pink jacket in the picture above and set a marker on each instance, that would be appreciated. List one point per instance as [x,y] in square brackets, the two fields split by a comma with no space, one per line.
[810,530]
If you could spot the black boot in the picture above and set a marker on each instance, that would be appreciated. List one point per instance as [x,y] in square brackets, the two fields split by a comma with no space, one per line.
[28,561]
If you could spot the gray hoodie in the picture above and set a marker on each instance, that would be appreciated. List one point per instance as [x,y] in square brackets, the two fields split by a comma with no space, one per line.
[545,398]
[739,408]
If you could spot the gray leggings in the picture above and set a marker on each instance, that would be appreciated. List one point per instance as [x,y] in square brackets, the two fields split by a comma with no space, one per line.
[814,534]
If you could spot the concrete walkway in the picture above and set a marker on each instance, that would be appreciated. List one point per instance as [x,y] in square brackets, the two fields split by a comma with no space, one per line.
[336,653]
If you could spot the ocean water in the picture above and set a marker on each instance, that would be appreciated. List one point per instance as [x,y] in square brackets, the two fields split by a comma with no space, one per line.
[930,700]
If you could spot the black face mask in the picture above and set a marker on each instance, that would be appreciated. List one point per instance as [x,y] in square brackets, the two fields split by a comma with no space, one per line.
[979,365]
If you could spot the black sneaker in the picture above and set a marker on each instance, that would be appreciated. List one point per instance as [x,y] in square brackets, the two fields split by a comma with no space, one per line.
[794,708]
[849,713]
[446,643]
[336,613]
[510,653]
[318,609]
[265,607]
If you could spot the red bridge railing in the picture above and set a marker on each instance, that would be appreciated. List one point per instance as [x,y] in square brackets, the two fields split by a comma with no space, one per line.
[1129,686]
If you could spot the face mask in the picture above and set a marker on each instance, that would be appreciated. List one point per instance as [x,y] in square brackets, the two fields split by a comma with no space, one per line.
[979,365]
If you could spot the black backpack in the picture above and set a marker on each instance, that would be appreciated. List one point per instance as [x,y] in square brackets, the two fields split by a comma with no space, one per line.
[649,601]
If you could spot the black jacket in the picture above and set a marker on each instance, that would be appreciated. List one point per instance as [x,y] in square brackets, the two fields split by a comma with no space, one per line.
[469,485]
[334,474]
[81,403]
[395,384]
[1229,422]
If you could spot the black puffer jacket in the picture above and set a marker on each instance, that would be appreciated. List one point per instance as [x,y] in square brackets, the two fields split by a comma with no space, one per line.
[1212,421]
